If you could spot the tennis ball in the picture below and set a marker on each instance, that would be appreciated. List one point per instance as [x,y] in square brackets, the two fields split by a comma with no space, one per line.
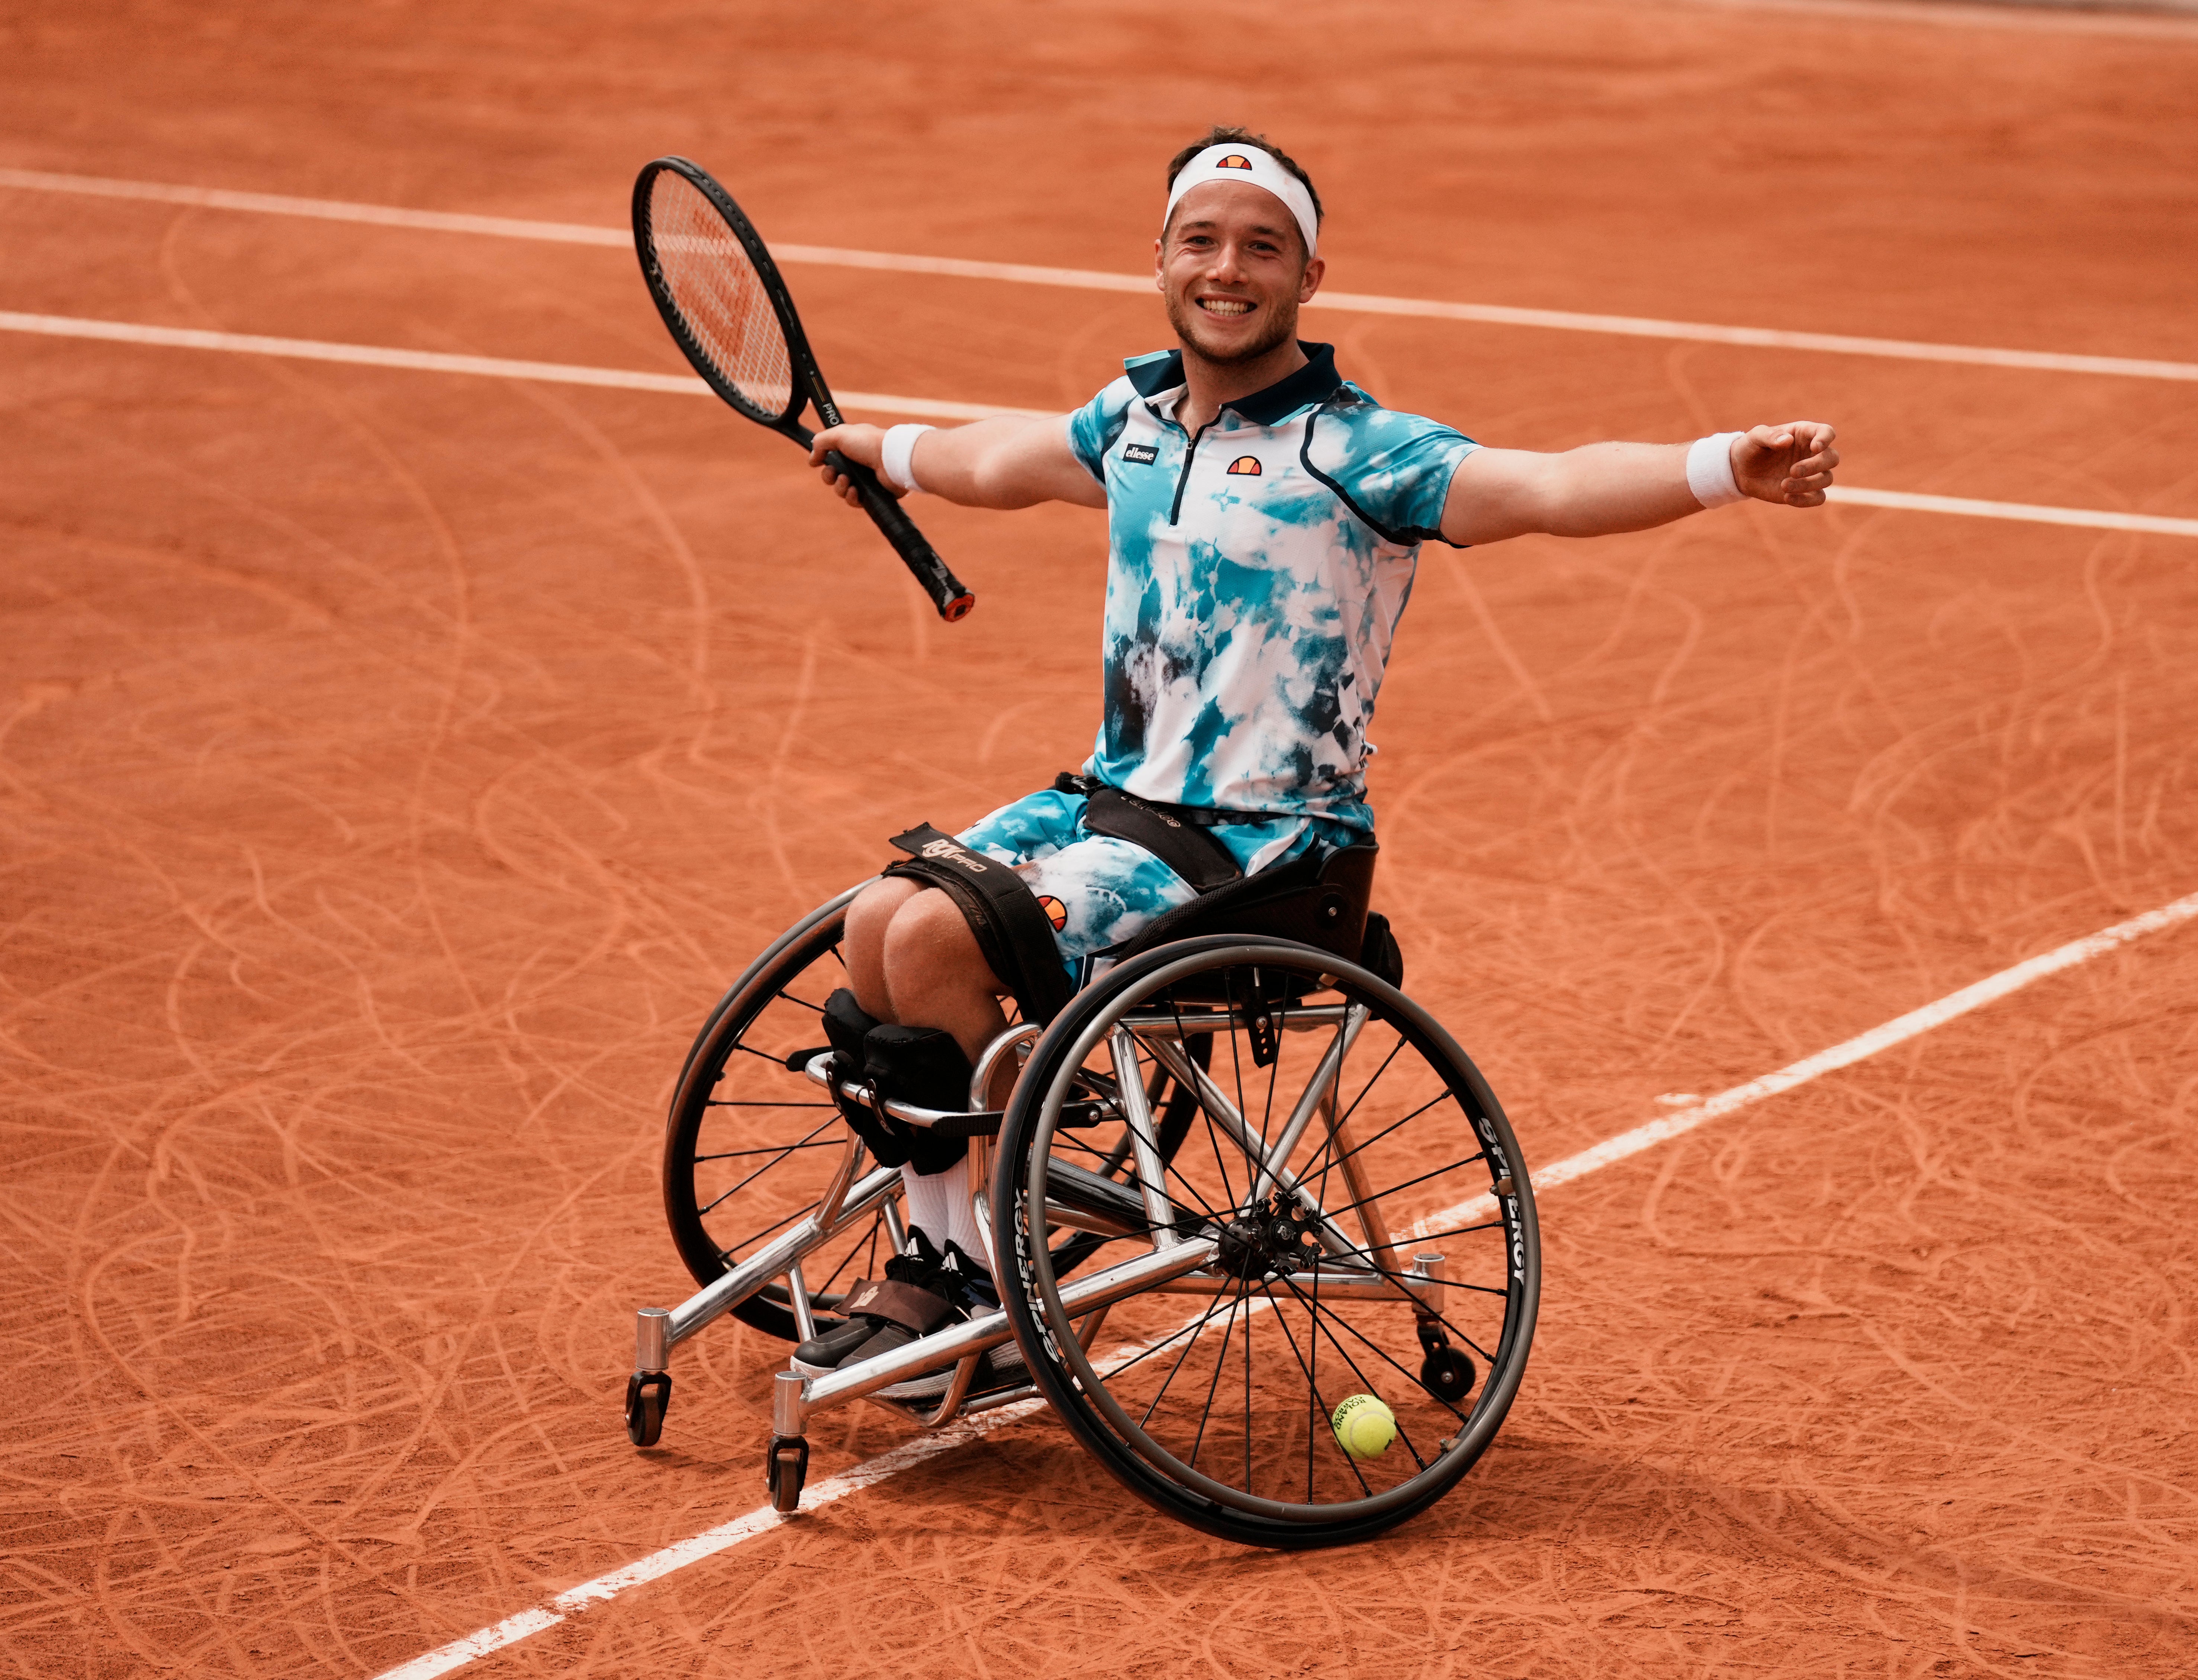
[1363,1425]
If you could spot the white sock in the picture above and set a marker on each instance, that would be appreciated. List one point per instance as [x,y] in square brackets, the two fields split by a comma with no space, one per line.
[927,1203]
[938,1203]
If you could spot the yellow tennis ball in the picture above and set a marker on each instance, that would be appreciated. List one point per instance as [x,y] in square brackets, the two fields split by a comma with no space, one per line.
[1363,1425]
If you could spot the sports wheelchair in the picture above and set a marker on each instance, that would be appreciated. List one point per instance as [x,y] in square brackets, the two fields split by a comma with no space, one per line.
[1241,1176]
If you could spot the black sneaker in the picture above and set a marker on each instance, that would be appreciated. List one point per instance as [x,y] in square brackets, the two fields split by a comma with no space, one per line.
[968,1287]
[922,1291]
[1002,1367]
[913,1299]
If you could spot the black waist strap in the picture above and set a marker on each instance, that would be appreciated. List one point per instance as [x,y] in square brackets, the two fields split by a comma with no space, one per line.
[1176,834]
[1191,816]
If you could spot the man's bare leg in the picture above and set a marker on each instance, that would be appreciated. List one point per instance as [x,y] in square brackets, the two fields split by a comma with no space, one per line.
[936,975]
[865,943]
[912,959]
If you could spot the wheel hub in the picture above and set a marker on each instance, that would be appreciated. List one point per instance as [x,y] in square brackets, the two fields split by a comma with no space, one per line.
[1269,1238]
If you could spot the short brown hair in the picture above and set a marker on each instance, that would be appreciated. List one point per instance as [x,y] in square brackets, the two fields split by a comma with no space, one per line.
[1225,136]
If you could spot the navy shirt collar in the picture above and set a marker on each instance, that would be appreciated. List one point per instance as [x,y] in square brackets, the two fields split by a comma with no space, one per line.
[1314,382]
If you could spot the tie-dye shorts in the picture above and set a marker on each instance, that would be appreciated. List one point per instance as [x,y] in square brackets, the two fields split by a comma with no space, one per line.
[1104,891]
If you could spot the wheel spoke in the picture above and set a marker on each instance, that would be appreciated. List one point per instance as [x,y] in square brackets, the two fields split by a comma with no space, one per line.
[1388,1359]
[1328,1143]
[784,1151]
[780,1150]
[1220,1364]
[1403,1434]
[1316,1406]
[1204,1319]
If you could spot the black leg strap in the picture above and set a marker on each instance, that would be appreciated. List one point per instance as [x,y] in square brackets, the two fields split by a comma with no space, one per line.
[1014,935]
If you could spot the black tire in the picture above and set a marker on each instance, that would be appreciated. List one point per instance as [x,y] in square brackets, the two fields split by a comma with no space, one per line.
[736,1094]
[1417,1111]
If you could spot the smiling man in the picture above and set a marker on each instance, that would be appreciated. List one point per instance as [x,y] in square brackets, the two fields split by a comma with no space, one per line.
[1265,516]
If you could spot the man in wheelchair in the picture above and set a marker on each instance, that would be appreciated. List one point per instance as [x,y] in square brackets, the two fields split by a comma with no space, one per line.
[1265,516]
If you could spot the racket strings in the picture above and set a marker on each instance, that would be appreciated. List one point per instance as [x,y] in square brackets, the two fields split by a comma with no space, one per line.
[719,295]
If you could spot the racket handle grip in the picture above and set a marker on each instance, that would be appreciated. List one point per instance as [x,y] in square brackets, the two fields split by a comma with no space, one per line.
[948,593]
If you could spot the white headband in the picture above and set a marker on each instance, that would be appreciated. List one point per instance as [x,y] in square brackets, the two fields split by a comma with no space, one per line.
[1249,163]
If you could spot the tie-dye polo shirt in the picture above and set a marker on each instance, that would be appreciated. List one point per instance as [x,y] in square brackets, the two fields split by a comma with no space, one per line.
[1256,575]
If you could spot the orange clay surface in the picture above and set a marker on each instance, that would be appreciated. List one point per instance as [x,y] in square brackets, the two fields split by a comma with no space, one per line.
[394,767]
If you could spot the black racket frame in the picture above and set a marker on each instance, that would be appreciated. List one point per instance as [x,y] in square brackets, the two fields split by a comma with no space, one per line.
[947,592]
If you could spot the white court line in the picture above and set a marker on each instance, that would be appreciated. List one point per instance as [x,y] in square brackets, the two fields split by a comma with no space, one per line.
[872,401]
[761,1520]
[2096,519]
[1097,280]
[440,361]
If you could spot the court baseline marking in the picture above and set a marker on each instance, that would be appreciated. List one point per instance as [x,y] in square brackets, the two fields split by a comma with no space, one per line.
[1097,280]
[687,385]
[1955,1004]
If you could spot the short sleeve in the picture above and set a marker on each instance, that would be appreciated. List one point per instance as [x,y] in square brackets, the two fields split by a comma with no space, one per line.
[1093,429]
[1393,469]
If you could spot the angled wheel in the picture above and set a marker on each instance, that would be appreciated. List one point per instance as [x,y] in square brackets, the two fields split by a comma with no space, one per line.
[1346,1214]
[752,1144]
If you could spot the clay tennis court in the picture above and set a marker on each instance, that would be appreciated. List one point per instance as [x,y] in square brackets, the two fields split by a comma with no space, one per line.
[397,764]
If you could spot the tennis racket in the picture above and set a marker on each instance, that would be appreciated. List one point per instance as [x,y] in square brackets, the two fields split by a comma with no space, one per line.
[720,293]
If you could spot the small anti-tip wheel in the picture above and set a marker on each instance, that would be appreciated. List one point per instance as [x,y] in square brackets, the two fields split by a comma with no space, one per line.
[1446,1374]
[786,1468]
[648,1395]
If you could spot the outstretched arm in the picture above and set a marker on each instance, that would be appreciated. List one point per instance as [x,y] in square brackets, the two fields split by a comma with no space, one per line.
[1602,488]
[1004,463]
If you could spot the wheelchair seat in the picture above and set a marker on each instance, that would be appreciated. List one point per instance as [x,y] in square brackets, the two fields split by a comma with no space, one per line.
[1317,899]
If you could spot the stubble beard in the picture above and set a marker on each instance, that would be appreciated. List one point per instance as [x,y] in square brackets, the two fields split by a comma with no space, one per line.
[1186,318]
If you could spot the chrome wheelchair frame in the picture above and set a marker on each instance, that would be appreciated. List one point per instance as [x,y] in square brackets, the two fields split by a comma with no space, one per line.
[1269,1223]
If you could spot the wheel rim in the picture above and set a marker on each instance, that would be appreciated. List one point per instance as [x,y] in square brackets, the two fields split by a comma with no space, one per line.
[1227,1396]
[752,1143]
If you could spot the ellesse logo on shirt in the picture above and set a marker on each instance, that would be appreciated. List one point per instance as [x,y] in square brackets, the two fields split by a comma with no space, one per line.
[1245,466]
[1140,453]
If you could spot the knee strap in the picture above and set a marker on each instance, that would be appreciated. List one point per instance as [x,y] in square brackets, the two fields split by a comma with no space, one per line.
[912,1063]
[924,1065]
[1014,935]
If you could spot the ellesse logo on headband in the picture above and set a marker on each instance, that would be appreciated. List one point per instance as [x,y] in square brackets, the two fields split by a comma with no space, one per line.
[1234,161]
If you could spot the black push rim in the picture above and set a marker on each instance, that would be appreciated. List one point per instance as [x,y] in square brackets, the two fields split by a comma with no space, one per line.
[806,383]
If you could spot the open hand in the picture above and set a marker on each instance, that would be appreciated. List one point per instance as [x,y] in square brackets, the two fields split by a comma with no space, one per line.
[864,445]
[1789,463]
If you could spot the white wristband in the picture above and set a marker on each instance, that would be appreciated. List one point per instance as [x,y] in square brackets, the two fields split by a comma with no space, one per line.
[1709,471]
[897,462]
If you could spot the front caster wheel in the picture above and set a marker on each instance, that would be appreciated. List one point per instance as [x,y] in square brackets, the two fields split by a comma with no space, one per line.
[786,1468]
[648,1396]
[1446,1374]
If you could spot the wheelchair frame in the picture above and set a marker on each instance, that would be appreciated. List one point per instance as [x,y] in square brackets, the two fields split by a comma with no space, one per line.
[1179,1262]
